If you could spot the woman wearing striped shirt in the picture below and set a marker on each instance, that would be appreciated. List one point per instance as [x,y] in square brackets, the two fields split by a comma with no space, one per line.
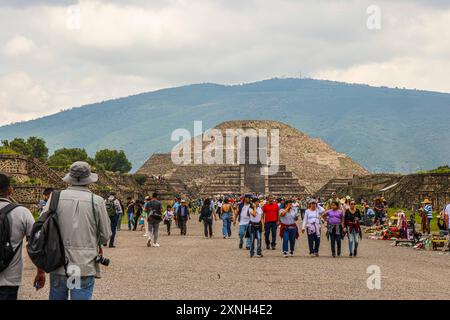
[428,211]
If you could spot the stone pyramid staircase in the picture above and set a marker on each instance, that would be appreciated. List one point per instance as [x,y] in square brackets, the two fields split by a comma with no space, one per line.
[334,185]
[227,181]
[284,183]
[178,187]
[163,188]
[232,180]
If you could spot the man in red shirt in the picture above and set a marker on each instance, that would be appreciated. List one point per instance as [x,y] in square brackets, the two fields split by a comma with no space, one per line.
[270,216]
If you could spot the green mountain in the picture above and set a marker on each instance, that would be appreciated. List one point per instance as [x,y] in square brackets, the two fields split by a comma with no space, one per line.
[384,129]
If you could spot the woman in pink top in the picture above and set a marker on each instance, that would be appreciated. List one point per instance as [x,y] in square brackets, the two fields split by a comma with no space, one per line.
[335,219]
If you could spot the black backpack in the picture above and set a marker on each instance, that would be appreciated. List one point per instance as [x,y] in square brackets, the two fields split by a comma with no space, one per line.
[110,208]
[206,213]
[7,252]
[45,247]
[155,210]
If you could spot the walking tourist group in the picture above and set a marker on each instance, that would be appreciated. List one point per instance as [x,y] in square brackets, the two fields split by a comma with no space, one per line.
[73,225]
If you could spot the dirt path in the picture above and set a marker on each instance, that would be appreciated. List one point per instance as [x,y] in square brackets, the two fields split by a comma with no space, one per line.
[193,267]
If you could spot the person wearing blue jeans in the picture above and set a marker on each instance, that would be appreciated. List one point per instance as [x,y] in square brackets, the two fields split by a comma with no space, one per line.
[289,237]
[255,234]
[130,213]
[226,228]
[84,228]
[227,217]
[242,232]
[59,288]
[335,232]
[243,216]
[288,229]
[255,229]
[271,228]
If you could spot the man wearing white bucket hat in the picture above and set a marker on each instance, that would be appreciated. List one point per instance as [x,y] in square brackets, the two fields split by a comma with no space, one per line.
[84,224]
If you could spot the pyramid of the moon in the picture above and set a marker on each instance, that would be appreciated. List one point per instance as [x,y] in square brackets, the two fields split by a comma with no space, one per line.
[305,164]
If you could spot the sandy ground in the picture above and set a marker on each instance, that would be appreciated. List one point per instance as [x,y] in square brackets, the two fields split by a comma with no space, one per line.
[192,267]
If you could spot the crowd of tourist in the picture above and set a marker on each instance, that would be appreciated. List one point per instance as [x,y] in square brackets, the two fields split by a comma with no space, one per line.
[88,222]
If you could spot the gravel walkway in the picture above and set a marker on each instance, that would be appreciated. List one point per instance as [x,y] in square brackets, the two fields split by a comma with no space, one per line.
[193,267]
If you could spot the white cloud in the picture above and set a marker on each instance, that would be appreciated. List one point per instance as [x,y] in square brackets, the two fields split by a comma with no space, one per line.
[21,97]
[130,46]
[18,46]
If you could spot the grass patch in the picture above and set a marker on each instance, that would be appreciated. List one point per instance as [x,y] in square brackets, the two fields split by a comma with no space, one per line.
[441,169]
[6,150]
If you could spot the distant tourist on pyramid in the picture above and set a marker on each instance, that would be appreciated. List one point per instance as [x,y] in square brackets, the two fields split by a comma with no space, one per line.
[19,221]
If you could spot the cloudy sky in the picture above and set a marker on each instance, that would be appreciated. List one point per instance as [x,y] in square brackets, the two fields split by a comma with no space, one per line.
[57,54]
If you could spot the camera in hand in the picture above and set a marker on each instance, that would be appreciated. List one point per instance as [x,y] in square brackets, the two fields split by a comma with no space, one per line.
[102,260]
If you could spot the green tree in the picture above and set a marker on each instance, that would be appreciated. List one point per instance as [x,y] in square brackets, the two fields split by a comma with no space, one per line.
[141,179]
[33,147]
[64,157]
[112,160]
[5,149]
[19,145]
[38,148]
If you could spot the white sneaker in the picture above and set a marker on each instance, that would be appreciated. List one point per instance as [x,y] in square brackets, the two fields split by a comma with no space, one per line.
[285,254]
[291,254]
[146,235]
[157,245]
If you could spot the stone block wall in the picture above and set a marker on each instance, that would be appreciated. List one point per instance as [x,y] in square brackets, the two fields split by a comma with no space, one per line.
[15,166]
[28,196]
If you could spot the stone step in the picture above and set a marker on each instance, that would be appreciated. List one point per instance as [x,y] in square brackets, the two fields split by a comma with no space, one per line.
[287,189]
[285,182]
[229,175]
[228,181]
[281,174]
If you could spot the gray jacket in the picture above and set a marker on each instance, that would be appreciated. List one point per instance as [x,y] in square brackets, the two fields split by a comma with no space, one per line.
[22,222]
[80,231]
